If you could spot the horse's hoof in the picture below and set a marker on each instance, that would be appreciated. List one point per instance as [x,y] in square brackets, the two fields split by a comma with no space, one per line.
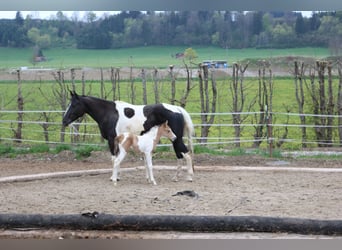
[189,178]
[175,179]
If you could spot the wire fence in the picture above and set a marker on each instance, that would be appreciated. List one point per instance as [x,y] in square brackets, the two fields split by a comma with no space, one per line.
[288,134]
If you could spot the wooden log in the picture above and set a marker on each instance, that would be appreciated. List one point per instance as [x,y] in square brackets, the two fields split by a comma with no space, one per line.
[213,224]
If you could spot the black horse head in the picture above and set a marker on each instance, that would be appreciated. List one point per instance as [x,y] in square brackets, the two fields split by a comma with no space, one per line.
[75,110]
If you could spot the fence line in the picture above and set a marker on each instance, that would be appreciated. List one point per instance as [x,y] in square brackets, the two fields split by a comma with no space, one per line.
[92,135]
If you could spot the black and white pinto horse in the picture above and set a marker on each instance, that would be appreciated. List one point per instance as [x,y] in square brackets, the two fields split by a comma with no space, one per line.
[117,117]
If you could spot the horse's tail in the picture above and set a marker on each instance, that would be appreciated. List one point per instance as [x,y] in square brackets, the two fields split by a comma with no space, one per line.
[189,129]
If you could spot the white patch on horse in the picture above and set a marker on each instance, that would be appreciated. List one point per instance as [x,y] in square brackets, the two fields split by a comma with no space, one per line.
[172,108]
[132,125]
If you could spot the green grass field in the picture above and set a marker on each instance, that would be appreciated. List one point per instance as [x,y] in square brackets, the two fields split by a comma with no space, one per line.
[283,97]
[147,57]
[284,92]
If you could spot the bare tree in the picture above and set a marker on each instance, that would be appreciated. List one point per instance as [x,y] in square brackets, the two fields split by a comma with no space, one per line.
[330,107]
[188,87]
[143,79]
[173,85]
[283,137]
[131,78]
[83,83]
[61,94]
[46,116]
[238,98]
[299,70]
[102,85]
[339,102]
[237,90]
[323,106]
[156,79]
[45,125]
[264,99]
[20,103]
[115,79]
[206,105]
[73,74]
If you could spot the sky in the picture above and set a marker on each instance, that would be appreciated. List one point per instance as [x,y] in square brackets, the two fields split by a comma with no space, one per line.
[48,14]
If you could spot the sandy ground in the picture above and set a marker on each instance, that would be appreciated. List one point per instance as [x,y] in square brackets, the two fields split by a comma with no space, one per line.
[221,190]
[224,186]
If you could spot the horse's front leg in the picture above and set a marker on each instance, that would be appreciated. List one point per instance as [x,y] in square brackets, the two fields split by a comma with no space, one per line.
[116,165]
[148,178]
[149,168]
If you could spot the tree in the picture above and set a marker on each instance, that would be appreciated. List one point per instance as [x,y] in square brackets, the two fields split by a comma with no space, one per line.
[339,101]
[42,41]
[238,94]
[207,105]
[190,54]
[257,25]
[299,70]
[60,16]
[33,35]
[90,16]
[93,38]
[322,103]
[282,35]
[314,22]
[19,20]
[300,26]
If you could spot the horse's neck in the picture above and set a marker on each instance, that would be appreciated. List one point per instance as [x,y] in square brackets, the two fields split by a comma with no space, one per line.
[94,109]
[101,111]
[154,134]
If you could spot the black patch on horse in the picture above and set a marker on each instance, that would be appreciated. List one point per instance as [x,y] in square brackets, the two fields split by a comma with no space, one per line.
[157,114]
[129,112]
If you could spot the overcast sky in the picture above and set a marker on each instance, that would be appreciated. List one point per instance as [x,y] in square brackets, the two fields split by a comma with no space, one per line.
[48,14]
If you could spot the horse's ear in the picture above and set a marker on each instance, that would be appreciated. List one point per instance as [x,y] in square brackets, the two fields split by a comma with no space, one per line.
[73,93]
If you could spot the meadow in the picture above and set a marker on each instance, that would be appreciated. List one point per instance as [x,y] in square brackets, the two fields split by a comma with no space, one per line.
[147,57]
[38,95]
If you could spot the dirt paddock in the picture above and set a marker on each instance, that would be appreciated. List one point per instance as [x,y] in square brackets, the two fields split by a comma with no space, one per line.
[222,186]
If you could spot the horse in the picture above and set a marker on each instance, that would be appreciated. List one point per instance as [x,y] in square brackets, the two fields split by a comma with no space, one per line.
[117,117]
[145,144]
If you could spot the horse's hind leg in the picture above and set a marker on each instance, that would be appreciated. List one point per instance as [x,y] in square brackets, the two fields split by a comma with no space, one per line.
[189,166]
[179,169]
[183,153]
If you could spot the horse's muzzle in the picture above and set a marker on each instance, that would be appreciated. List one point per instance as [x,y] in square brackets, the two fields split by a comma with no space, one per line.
[65,122]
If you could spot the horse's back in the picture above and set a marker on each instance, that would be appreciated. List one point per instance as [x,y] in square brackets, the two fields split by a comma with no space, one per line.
[188,126]
[131,118]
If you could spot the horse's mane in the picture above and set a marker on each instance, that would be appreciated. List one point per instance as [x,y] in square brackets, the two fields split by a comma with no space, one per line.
[99,101]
